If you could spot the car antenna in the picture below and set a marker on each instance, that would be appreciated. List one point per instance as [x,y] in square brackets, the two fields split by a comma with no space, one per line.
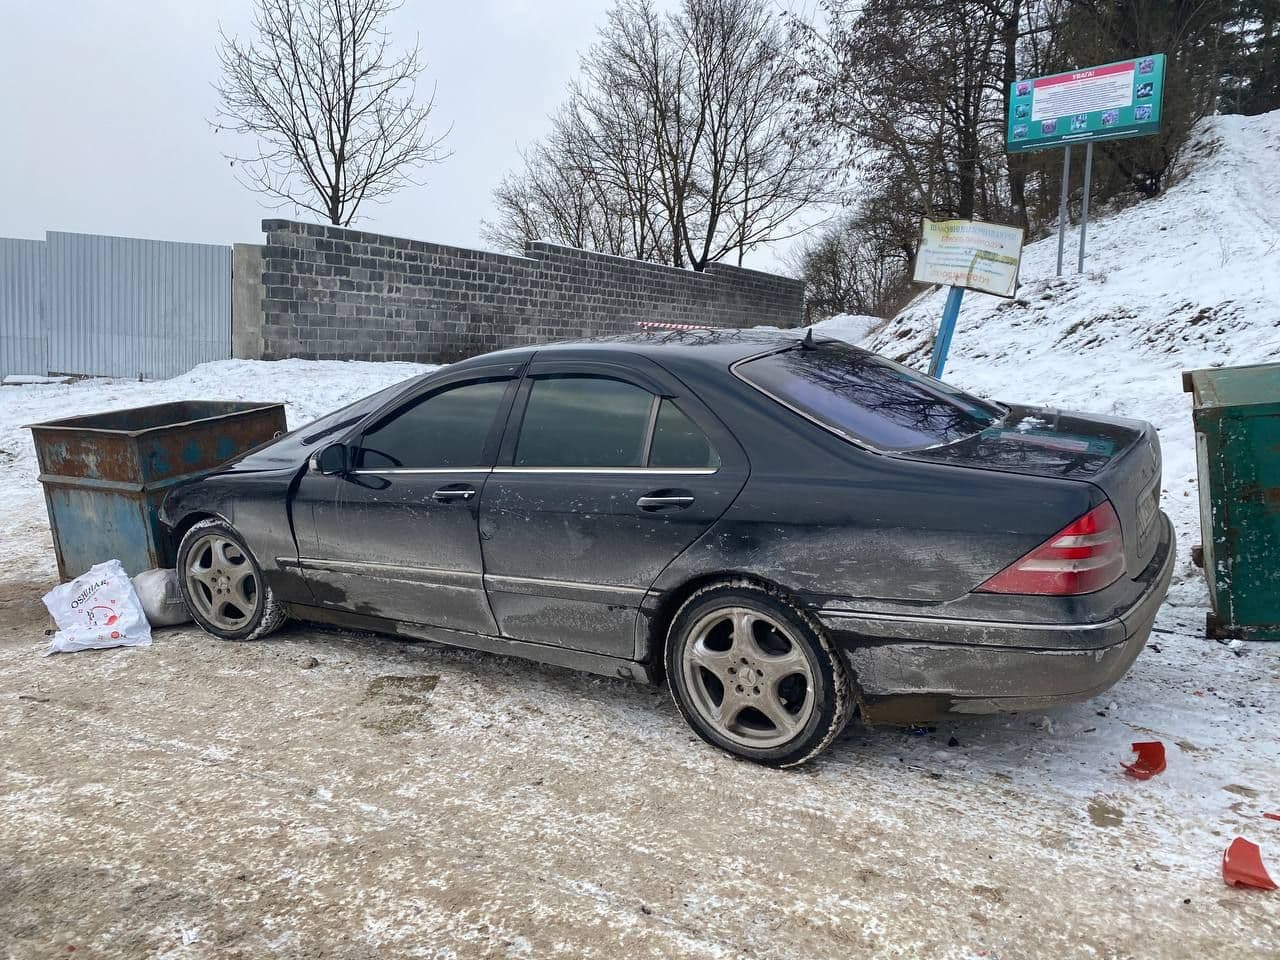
[807,342]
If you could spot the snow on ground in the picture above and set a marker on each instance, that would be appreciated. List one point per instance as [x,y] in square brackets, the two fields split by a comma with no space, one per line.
[853,327]
[1008,836]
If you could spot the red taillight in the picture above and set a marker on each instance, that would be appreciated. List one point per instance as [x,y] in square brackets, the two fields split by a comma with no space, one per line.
[1085,556]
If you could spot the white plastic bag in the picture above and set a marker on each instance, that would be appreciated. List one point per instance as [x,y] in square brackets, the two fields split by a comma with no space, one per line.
[160,598]
[96,610]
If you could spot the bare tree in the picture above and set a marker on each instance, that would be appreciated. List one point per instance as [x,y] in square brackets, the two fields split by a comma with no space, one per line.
[556,197]
[677,128]
[859,262]
[333,115]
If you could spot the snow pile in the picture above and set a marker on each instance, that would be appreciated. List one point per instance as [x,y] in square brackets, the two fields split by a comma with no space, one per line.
[853,327]
[1190,279]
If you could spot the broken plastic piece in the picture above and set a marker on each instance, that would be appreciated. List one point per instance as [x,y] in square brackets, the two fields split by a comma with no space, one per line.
[1150,760]
[1272,816]
[1242,866]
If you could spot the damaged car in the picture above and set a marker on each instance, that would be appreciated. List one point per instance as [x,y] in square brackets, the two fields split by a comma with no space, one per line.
[786,530]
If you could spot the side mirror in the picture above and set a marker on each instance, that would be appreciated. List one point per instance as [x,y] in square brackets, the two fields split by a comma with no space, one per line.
[332,461]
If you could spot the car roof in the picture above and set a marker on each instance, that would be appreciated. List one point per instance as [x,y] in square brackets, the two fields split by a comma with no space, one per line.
[719,346]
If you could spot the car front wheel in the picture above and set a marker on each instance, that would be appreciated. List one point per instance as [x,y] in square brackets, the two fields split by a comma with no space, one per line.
[223,585]
[754,676]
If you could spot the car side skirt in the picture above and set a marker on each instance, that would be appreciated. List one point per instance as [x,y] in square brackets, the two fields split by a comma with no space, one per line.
[605,666]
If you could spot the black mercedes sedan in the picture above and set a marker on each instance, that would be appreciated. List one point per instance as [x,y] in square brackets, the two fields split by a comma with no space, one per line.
[785,529]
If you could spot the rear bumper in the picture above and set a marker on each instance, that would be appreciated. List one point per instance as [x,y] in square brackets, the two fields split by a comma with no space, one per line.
[913,669]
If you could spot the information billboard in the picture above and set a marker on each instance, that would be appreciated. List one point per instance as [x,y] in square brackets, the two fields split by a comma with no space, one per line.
[1100,103]
[970,254]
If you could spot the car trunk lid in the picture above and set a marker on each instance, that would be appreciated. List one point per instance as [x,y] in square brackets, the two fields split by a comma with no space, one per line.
[1121,457]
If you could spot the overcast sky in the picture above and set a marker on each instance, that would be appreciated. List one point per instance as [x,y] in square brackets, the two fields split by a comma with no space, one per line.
[104,108]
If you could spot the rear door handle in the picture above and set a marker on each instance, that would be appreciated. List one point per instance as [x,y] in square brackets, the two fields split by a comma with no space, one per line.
[452,493]
[673,501]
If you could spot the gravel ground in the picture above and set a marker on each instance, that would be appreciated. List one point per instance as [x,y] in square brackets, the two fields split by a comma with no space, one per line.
[324,794]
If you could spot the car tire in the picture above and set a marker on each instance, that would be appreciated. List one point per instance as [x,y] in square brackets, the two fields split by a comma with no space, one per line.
[223,586]
[753,674]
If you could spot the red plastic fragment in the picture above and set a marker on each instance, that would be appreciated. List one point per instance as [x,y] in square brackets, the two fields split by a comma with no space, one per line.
[1150,760]
[1242,866]
[1272,816]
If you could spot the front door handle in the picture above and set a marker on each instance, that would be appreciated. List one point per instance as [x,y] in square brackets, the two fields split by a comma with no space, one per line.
[660,501]
[453,492]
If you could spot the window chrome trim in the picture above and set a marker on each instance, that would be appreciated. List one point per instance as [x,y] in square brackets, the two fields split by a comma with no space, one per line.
[650,426]
[618,471]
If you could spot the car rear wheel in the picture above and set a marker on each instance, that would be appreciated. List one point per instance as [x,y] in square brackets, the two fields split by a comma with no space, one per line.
[223,585]
[754,676]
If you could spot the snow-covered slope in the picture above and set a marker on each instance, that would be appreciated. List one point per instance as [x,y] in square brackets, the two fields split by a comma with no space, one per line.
[1190,279]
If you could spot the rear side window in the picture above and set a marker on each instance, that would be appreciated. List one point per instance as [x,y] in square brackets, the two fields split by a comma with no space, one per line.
[445,429]
[583,422]
[677,442]
[868,398]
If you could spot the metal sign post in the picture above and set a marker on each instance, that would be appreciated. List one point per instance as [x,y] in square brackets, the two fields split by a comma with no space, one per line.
[1084,207]
[1062,202]
[943,342]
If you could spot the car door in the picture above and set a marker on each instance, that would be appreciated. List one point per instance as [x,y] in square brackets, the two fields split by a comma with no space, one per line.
[607,472]
[396,535]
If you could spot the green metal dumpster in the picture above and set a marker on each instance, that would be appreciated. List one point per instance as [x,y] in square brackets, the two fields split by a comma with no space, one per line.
[1237,419]
[105,474]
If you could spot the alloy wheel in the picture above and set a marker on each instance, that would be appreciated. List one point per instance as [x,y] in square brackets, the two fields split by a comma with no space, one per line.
[221,582]
[748,677]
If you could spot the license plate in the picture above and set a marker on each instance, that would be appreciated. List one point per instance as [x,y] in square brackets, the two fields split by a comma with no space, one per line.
[1148,509]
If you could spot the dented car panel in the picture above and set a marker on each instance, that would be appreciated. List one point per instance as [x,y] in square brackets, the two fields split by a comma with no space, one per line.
[1001,666]
[585,564]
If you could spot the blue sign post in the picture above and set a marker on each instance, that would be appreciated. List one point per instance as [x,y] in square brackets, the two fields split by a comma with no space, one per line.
[941,345]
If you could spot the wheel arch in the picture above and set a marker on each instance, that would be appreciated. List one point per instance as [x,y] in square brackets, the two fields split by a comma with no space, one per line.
[654,638]
[186,522]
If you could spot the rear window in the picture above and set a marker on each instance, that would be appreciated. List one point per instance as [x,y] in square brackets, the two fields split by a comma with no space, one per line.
[868,398]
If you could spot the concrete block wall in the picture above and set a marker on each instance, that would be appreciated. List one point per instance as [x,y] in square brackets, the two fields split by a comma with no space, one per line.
[337,293]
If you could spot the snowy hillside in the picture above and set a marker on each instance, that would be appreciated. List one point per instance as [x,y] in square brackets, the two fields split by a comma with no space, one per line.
[1190,279]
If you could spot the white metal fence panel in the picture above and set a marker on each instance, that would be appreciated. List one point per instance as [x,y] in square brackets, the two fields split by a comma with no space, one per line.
[22,286]
[122,307]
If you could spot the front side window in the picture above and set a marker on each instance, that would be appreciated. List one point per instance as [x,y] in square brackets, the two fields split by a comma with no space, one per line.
[868,398]
[583,422]
[445,429]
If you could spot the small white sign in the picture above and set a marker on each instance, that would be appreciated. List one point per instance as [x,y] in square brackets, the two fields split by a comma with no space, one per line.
[966,253]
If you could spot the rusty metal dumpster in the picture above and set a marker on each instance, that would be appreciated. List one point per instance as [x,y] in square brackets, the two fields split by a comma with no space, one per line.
[105,474]
[1237,420]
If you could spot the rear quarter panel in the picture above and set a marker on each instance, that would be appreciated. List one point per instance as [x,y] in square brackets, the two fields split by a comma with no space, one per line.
[823,518]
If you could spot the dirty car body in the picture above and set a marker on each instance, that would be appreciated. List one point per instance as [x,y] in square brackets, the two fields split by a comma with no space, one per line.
[962,556]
